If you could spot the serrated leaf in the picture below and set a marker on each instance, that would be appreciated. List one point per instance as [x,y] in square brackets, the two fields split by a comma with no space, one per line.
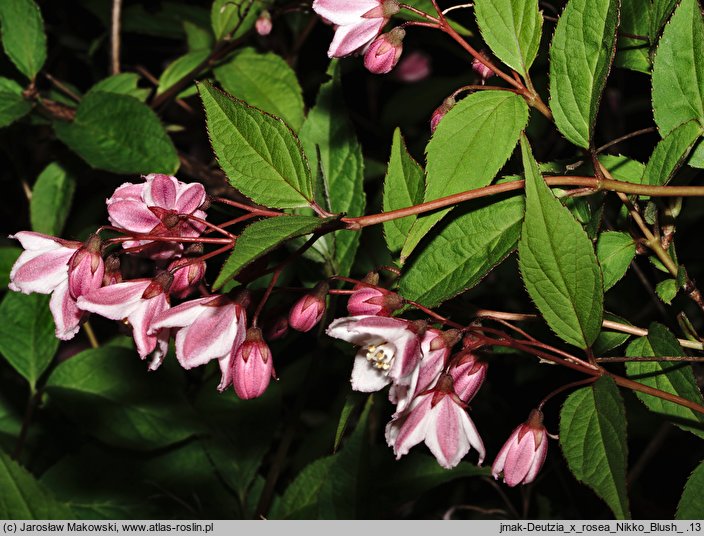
[118,133]
[265,81]
[615,252]
[13,105]
[557,262]
[667,290]
[580,59]
[123,84]
[8,256]
[593,440]
[51,200]
[329,140]
[691,505]
[478,237]
[235,17]
[512,29]
[678,72]
[23,36]
[260,155]
[471,144]
[27,334]
[263,236]
[671,152]
[671,377]
[146,411]
[180,67]
[23,497]
[404,186]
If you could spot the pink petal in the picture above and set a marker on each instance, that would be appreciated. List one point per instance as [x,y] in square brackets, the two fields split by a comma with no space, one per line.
[133,216]
[352,37]
[189,198]
[344,11]
[160,191]
[67,316]
[115,301]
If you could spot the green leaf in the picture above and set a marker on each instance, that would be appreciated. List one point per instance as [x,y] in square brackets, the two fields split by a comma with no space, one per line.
[13,105]
[511,29]
[478,237]
[263,236]
[593,440]
[235,17]
[580,59]
[404,186]
[123,84]
[24,498]
[109,393]
[51,200]
[671,152]
[671,377]
[678,71]
[615,252]
[557,262]
[667,290]
[120,134]
[8,256]
[260,155]
[469,147]
[691,505]
[266,82]
[330,142]
[179,68]
[23,36]
[632,53]
[27,334]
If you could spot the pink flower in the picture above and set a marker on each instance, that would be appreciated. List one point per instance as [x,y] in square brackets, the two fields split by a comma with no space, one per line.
[414,67]
[64,269]
[389,349]
[440,112]
[482,70]
[154,207]
[138,301]
[358,22]
[252,368]
[435,349]
[469,374]
[207,328]
[308,311]
[263,26]
[523,455]
[373,301]
[438,418]
[187,274]
[383,54]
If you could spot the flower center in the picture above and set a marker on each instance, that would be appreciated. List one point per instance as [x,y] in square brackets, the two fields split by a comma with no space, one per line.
[380,357]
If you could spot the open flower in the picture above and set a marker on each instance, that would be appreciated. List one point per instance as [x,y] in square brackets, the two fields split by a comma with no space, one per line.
[207,328]
[437,417]
[65,269]
[154,207]
[138,301]
[389,349]
[523,454]
[357,22]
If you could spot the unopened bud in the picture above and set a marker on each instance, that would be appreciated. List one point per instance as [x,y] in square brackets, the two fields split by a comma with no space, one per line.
[384,52]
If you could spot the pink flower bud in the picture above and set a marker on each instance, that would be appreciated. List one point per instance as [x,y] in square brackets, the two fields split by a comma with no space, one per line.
[263,24]
[308,311]
[482,70]
[373,301]
[186,278]
[253,368]
[469,374]
[523,455]
[440,112]
[413,68]
[384,52]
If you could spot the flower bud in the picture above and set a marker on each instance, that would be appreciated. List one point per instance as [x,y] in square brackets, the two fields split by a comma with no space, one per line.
[413,68]
[482,70]
[308,311]
[440,112]
[523,455]
[384,52]
[187,274]
[252,368]
[263,24]
[373,301]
